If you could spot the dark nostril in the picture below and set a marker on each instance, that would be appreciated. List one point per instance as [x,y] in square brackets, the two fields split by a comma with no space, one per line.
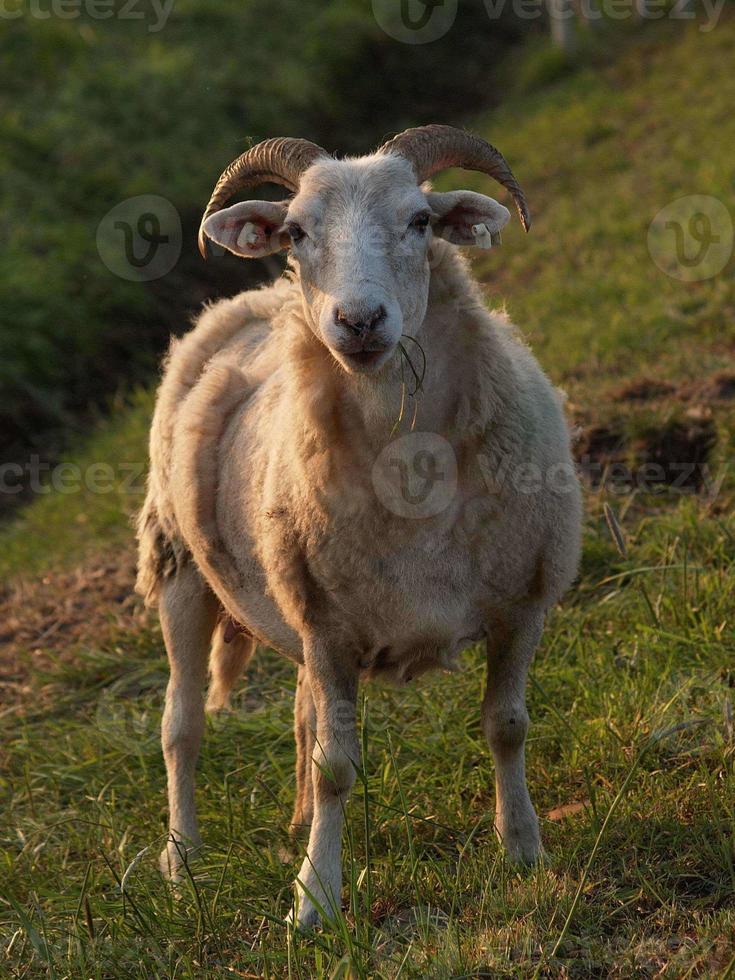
[356,326]
[362,325]
[378,316]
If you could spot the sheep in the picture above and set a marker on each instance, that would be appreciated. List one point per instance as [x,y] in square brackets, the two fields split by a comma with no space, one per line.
[288,488]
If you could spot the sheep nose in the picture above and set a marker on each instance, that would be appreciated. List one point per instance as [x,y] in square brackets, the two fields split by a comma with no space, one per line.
[359,323]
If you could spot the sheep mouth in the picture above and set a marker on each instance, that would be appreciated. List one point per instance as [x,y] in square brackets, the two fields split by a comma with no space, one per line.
[365,360]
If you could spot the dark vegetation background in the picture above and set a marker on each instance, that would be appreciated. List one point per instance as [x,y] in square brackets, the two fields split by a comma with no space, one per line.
[95,111]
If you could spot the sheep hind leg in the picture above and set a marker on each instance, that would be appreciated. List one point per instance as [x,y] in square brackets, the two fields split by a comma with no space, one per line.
[511,643]
[304,728]
[188,613]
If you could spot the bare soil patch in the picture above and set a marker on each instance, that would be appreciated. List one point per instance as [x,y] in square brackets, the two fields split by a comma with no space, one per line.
[719,387]
[677,452]
[674,453]
[49,617]
[643,390]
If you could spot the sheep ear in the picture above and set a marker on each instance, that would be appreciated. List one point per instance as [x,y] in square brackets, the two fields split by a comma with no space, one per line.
[466,218]
[251,229]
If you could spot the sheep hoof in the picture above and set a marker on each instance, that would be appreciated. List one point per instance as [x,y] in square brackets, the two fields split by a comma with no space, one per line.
[524,852]
[314,898]
[306,920]
[528,857]
[174,858]
[522,842]
[170,867]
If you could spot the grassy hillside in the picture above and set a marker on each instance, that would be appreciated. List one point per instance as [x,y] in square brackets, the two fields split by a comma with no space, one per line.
[632,743]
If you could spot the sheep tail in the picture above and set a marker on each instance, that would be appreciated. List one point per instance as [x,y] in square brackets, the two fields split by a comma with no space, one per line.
[230,654]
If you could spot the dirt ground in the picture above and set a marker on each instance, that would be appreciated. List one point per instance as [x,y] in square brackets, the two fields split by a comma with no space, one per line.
[48,618]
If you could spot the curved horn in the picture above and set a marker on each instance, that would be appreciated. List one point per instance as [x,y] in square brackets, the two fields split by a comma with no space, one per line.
[433,148]
[277,161]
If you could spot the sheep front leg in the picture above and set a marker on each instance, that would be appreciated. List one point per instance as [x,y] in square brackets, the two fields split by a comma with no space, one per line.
[336,755]
[510,648]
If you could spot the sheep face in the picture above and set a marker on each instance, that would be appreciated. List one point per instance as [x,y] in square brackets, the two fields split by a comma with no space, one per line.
[360,234]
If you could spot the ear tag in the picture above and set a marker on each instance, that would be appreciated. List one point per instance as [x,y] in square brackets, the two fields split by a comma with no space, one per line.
[249,235]
[482,235]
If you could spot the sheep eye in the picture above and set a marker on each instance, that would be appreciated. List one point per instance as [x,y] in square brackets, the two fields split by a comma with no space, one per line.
[420,222]
[296,232]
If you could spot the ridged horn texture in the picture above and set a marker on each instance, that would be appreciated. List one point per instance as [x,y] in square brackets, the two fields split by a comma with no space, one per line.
[430,149]
[277,161]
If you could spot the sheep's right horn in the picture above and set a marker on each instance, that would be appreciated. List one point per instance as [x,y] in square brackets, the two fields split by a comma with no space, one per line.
[276,161]
[430,149]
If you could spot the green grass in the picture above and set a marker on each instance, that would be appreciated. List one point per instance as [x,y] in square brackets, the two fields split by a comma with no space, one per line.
[97,509]
[632,691]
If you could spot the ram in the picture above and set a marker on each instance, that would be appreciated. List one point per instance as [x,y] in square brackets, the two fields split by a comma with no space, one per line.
[359,467]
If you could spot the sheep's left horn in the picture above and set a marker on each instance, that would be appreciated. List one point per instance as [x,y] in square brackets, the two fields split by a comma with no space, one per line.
[430,149]
[276,161]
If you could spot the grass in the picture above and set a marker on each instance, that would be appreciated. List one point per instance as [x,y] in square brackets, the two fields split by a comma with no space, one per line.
[97,509]
[632,747]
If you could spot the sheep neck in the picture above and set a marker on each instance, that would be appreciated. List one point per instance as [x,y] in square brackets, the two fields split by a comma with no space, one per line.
[365,409]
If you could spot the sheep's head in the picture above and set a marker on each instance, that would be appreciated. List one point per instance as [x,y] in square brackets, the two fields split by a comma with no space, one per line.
[360,230]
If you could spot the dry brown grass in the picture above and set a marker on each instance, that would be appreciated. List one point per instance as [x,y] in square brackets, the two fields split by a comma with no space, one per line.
[48,618]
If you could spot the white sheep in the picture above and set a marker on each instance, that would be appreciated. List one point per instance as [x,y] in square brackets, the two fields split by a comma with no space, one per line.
[306,492]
